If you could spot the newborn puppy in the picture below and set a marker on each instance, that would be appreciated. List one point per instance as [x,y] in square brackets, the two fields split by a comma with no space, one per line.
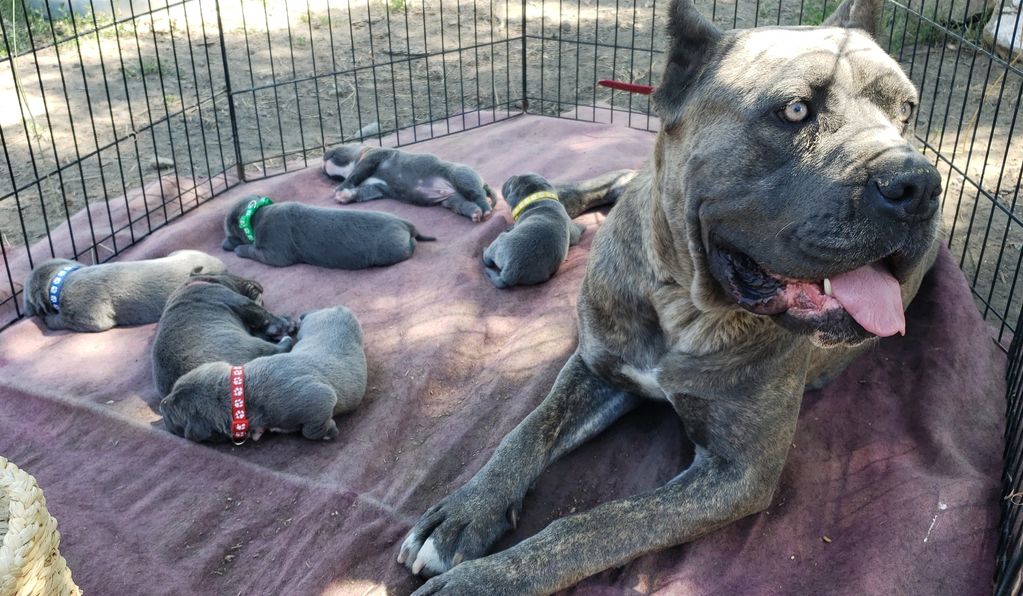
[212,318]
[69,295]
[421,179]
[530,252]
[288,233]
[323,376]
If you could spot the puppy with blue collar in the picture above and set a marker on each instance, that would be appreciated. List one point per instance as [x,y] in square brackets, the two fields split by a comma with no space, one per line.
[535,247]
[69,295]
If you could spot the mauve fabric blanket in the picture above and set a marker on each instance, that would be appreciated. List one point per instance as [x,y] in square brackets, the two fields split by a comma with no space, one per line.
[896,463]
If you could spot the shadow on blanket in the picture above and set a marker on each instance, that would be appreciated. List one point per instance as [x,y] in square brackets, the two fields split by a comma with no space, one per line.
[897,463]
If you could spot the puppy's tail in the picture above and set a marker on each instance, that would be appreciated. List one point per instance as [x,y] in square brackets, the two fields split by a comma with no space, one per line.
[421,237]
[491,196]
[580,197]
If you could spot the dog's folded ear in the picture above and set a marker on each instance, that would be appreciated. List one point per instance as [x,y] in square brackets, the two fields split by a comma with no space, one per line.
[856,14]
[693,38]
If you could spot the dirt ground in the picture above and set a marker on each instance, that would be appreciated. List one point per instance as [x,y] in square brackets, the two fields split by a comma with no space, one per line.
[121,100]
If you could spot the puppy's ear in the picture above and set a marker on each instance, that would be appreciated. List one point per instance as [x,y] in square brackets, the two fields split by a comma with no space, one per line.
[856,14]
[693,37]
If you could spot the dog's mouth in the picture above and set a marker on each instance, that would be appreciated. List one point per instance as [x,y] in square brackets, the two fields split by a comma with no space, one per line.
[869,295]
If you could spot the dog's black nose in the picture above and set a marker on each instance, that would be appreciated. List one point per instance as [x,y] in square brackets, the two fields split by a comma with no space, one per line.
[909,191]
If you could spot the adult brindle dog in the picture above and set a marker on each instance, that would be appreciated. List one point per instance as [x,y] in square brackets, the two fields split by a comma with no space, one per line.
[782,224]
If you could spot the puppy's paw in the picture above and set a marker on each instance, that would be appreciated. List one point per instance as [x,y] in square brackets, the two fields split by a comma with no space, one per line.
[286,343]
[460,528]
[281,328]
[325,431]
[477,215]
[344,195]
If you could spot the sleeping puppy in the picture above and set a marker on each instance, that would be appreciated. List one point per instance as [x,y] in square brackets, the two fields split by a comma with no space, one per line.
[530,252]
[323,376]
[369,173]
[288,233]
[212,318]
[69,295]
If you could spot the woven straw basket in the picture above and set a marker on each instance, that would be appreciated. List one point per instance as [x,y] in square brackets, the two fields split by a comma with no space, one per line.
[29,562]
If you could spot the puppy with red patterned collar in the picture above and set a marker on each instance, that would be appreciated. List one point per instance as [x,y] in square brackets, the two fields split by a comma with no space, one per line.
[324,375]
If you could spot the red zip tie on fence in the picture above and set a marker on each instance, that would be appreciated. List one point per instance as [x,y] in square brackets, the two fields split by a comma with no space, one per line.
[630,87]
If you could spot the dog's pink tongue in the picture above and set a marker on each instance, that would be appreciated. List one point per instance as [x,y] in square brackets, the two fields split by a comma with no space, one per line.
[872,296]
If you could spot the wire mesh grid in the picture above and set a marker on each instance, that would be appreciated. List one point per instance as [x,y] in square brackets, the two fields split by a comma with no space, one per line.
[143,109]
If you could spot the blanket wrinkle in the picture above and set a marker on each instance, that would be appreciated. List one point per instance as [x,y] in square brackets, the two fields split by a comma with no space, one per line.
[455,364]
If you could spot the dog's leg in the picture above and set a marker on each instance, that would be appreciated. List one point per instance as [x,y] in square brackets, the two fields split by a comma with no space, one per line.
[367,191]
[736,468]
[466,523]
[260,320]
[250,251]
[364,168]
[467,183]
[575,232]
[459,205]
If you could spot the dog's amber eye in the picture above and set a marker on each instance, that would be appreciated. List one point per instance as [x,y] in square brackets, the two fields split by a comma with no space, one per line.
[796,111]
[906,111]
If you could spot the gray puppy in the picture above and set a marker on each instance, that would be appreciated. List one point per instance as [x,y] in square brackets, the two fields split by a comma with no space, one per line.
[284,234]
[370,173]
[69,295]
[323,376]
[784,221]
[531,252]
[212,318]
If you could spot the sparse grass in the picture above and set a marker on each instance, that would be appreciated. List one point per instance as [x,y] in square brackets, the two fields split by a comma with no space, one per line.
[150,66]
[900,28]
[318,21]
[395,5]
[19,24]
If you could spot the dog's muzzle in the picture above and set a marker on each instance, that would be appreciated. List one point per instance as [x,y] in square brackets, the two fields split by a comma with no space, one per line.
[847,307]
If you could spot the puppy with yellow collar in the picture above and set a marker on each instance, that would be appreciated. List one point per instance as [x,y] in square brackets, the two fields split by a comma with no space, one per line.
[533,249]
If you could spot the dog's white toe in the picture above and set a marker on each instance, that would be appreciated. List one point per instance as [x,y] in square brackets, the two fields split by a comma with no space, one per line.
[428,559]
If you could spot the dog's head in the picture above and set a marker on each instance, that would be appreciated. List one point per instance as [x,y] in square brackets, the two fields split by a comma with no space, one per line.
[785,172]
[521,186]
[36,292]
[249,288]
[191,410]
[339,161]
[337,325]
[233,234]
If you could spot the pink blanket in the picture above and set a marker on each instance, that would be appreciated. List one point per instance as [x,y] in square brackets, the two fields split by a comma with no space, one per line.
[891,485]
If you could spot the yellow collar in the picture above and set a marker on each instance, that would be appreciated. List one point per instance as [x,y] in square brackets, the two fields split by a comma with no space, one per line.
[543,195]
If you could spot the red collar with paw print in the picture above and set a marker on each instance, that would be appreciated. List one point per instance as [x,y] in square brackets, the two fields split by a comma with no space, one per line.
[239,417]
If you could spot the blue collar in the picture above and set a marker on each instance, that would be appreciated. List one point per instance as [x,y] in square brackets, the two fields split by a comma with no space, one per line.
[58,282]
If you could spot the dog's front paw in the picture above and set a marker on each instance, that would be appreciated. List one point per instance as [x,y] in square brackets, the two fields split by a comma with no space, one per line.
[485,577]
[344,195]
[460,528]
[286,343]
[478,215]
[281,328]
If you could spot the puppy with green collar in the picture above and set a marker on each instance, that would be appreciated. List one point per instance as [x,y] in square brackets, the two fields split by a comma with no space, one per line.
[282,234]
[69,295]
[323,376]
[531,252]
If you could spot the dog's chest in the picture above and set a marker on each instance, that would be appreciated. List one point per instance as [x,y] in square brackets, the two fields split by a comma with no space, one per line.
[646,380]
[335,171]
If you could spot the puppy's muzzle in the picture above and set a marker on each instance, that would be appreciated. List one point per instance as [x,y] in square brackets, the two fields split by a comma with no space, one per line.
[905,189]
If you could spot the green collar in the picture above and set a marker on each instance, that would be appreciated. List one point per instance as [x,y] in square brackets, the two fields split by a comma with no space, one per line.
[245,220]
